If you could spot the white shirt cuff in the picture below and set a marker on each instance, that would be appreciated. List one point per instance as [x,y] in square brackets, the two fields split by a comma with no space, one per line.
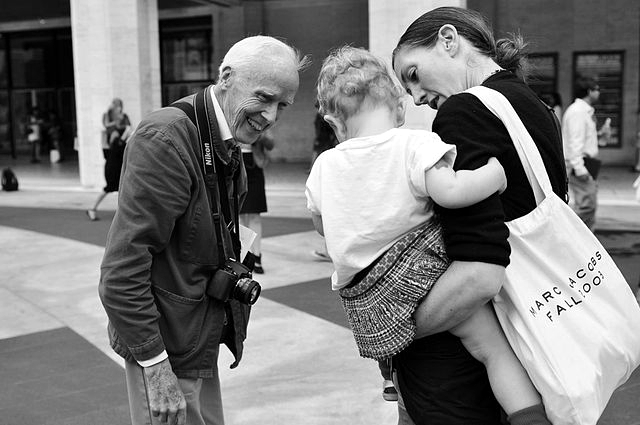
[154,360]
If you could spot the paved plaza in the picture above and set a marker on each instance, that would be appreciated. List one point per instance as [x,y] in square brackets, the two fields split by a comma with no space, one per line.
[300,364]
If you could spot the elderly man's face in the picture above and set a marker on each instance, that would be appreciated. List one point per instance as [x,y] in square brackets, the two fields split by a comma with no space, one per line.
[254,96]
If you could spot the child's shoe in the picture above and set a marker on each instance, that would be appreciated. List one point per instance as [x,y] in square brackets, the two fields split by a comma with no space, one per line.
[389,392]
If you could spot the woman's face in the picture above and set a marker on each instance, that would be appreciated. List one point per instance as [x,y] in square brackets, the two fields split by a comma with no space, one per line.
[428,73]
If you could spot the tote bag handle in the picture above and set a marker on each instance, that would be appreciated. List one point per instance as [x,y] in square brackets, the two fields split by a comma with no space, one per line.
[522,141]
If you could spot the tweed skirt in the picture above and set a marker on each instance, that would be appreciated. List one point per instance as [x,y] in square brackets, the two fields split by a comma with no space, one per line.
[380,307]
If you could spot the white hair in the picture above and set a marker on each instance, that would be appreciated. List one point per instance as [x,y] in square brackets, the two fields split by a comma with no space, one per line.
[259,47]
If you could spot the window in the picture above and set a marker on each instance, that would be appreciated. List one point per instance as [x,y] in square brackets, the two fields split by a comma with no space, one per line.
[186,57]
[606,68]
[33,60]
[544,73]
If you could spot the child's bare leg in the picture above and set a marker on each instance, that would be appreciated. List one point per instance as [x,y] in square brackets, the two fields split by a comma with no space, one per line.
[482,336]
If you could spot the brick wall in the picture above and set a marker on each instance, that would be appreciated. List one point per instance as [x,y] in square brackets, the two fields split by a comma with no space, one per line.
[568,26]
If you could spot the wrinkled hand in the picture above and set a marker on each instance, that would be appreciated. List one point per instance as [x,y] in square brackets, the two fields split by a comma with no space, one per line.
[496,163]
[165,396]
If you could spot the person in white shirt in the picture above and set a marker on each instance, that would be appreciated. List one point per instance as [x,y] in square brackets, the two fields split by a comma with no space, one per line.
[372,198]
[580,143]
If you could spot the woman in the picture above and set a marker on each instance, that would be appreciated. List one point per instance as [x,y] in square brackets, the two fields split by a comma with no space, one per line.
[441,54]
[118,128]
[255,159]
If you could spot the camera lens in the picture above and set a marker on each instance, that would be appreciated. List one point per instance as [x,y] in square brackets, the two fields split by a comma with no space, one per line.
[247,291]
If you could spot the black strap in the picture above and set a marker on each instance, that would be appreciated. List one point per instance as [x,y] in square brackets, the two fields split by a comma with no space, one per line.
[214,181]
[211,160]
[556,124]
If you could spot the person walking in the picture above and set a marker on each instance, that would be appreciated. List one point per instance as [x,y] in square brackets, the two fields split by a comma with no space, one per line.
[117,130]
[35,134]
[255,158]
[441,54]
[173,247]
[580,142]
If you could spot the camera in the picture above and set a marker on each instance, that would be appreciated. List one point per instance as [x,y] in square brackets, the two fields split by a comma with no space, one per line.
[233,281]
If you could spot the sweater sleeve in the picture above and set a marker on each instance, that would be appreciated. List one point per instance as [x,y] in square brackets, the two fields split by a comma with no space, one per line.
[478,232]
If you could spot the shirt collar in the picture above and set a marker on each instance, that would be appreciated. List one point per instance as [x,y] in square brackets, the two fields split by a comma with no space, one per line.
[584,105]
[225,132]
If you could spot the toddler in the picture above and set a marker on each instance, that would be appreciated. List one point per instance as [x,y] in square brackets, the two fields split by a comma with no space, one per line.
[372,199]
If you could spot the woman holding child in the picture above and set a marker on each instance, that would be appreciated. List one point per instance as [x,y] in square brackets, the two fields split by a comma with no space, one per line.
[441,54]
[387,244]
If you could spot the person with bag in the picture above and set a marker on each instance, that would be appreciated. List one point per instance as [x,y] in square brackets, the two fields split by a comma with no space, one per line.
[441,54]
[388,256]
[172,281]
[580,142]
[255,158]
[117,131]
[524,249]
[34,134]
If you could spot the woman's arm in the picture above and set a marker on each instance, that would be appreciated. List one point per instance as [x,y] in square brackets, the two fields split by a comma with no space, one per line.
[461,290]
[457,189]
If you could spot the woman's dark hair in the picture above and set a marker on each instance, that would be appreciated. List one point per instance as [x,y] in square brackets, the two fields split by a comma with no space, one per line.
[474,27]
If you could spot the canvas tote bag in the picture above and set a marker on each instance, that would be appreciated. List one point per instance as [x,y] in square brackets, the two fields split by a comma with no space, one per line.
[565,308]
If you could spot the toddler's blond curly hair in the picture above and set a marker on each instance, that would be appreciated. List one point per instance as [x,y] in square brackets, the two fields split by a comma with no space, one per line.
[349,77]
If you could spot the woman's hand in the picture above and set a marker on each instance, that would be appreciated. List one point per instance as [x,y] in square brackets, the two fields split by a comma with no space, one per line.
[461,290]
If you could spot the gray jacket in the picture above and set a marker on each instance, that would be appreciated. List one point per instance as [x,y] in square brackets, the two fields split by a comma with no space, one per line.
[161,251]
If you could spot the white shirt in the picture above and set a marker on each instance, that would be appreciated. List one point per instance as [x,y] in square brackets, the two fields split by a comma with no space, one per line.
[225,131]
[370,191]
[225,134]
[579,135]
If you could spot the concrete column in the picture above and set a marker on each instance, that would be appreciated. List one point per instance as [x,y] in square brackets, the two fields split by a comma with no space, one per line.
[387,22]
[116,53]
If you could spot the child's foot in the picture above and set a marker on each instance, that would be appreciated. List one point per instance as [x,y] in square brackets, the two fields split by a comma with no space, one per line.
[389,392]
[92,215]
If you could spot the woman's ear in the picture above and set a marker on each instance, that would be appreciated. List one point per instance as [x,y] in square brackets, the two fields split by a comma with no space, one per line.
[338,127]
[448,38]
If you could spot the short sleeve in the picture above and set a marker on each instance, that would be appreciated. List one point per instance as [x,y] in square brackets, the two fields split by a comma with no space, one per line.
[426,150]
[313,187]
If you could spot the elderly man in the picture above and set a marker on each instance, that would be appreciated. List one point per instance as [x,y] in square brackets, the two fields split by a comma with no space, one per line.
[173,232]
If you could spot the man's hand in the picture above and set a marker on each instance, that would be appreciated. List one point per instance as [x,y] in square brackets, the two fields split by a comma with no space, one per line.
[165,396]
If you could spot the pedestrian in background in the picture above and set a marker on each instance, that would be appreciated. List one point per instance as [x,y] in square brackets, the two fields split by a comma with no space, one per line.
[54,131]
[255,158]
[35,133]
[325,139]
[117,129]
[554,101]
[580,143]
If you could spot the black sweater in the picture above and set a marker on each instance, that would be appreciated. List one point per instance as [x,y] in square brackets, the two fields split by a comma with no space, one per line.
[478,232]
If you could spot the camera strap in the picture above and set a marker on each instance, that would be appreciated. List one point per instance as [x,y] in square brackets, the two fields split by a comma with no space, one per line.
[214,171]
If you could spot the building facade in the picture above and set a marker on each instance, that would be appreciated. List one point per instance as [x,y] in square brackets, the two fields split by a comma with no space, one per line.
[70,57]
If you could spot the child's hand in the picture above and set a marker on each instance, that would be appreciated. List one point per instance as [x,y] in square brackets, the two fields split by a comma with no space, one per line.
[494,163]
